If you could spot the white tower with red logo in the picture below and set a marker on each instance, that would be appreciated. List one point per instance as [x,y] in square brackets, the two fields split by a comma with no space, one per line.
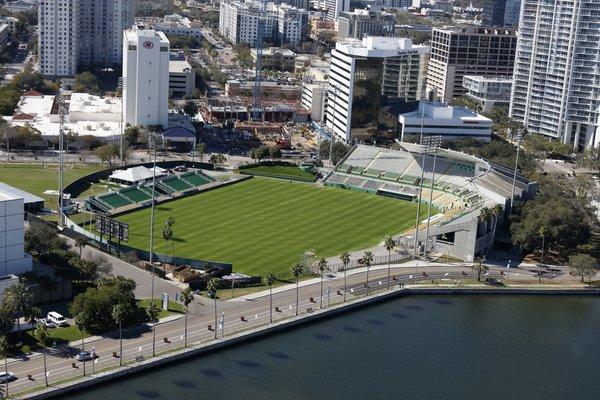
[146,77]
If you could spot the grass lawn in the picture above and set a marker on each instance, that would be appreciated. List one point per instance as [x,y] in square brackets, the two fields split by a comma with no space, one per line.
[174,307]
[263,225]
[36,179]
[284,170]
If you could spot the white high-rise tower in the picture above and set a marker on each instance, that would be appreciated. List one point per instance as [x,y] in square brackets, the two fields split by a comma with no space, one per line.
[556,90]
[146,77]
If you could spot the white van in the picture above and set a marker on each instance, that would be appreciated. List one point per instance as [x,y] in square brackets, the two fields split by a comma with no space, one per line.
[57,319]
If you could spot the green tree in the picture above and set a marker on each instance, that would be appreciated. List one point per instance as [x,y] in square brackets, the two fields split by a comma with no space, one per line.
[322,266]
[389,244]
[87,82]
[583,265]
[4,347]
[41,335]
[211,287]
[479,267]
[119,314]
[270,280]
[190,108]
[345,258]
[275,153]
[186,299]
[297,269]
[217,159]
[367,259]
[131,134]
[152,311]
[167,234]
[107,153]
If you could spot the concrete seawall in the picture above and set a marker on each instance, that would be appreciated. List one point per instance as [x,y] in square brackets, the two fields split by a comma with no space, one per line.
[290,323]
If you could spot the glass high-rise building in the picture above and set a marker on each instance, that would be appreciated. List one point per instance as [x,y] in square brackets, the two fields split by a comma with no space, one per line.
[500,12]
[556,90]
[367,77]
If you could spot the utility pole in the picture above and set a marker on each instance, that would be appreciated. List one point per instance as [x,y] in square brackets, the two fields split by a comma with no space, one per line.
[512,193]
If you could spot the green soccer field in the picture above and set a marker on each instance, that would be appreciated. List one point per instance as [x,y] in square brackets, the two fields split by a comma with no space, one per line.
[264,225]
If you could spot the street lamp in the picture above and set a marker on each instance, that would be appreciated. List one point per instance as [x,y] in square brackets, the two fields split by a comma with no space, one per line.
[512,193]
[431,142]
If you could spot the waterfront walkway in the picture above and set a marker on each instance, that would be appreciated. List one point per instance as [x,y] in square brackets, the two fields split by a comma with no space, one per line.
[245,313]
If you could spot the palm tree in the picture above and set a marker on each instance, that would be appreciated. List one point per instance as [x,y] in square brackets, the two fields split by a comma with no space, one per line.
[345,257]
[389,244]
[296,272]
[322,266]
[186,299]
[81,242]
[32,314]
[119,312]
[4,346]
[153,311]
[80,324]
[41,335]
[211,287]
[368,259]
[17,296]
[201,149]
[480,267]
[270,280]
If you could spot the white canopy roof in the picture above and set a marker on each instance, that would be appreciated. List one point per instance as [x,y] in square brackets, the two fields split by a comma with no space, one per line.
[136,174]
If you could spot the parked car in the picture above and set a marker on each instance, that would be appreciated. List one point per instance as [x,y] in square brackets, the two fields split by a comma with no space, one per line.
[180,168]
[7,377]
[193,154]
[85,356]
[47,323]
[57,319]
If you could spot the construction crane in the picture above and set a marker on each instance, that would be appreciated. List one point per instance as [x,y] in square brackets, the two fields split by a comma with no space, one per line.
[260,30]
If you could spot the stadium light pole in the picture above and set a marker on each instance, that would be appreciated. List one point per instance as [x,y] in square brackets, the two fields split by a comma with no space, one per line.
[61,115]
[433,142]
[416,242]
[512,193]
[153,142]
[121,85]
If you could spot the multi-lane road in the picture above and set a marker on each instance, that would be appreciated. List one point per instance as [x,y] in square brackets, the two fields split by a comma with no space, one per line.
[254,309]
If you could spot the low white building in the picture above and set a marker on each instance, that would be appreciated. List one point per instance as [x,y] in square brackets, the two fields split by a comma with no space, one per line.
[449,122]
[488,91]
[88,115]
[182,78]
[177,25]
[13,259]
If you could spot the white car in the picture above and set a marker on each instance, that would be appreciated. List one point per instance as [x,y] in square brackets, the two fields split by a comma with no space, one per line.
[57,319]
[47,323]
[7,377]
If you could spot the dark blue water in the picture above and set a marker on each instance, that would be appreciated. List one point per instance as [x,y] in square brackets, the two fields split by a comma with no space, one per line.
[471,347]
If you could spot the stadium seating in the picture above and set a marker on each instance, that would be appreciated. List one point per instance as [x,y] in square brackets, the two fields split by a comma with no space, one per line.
[195,179]
[175,184]
[115,200]
[136,195]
